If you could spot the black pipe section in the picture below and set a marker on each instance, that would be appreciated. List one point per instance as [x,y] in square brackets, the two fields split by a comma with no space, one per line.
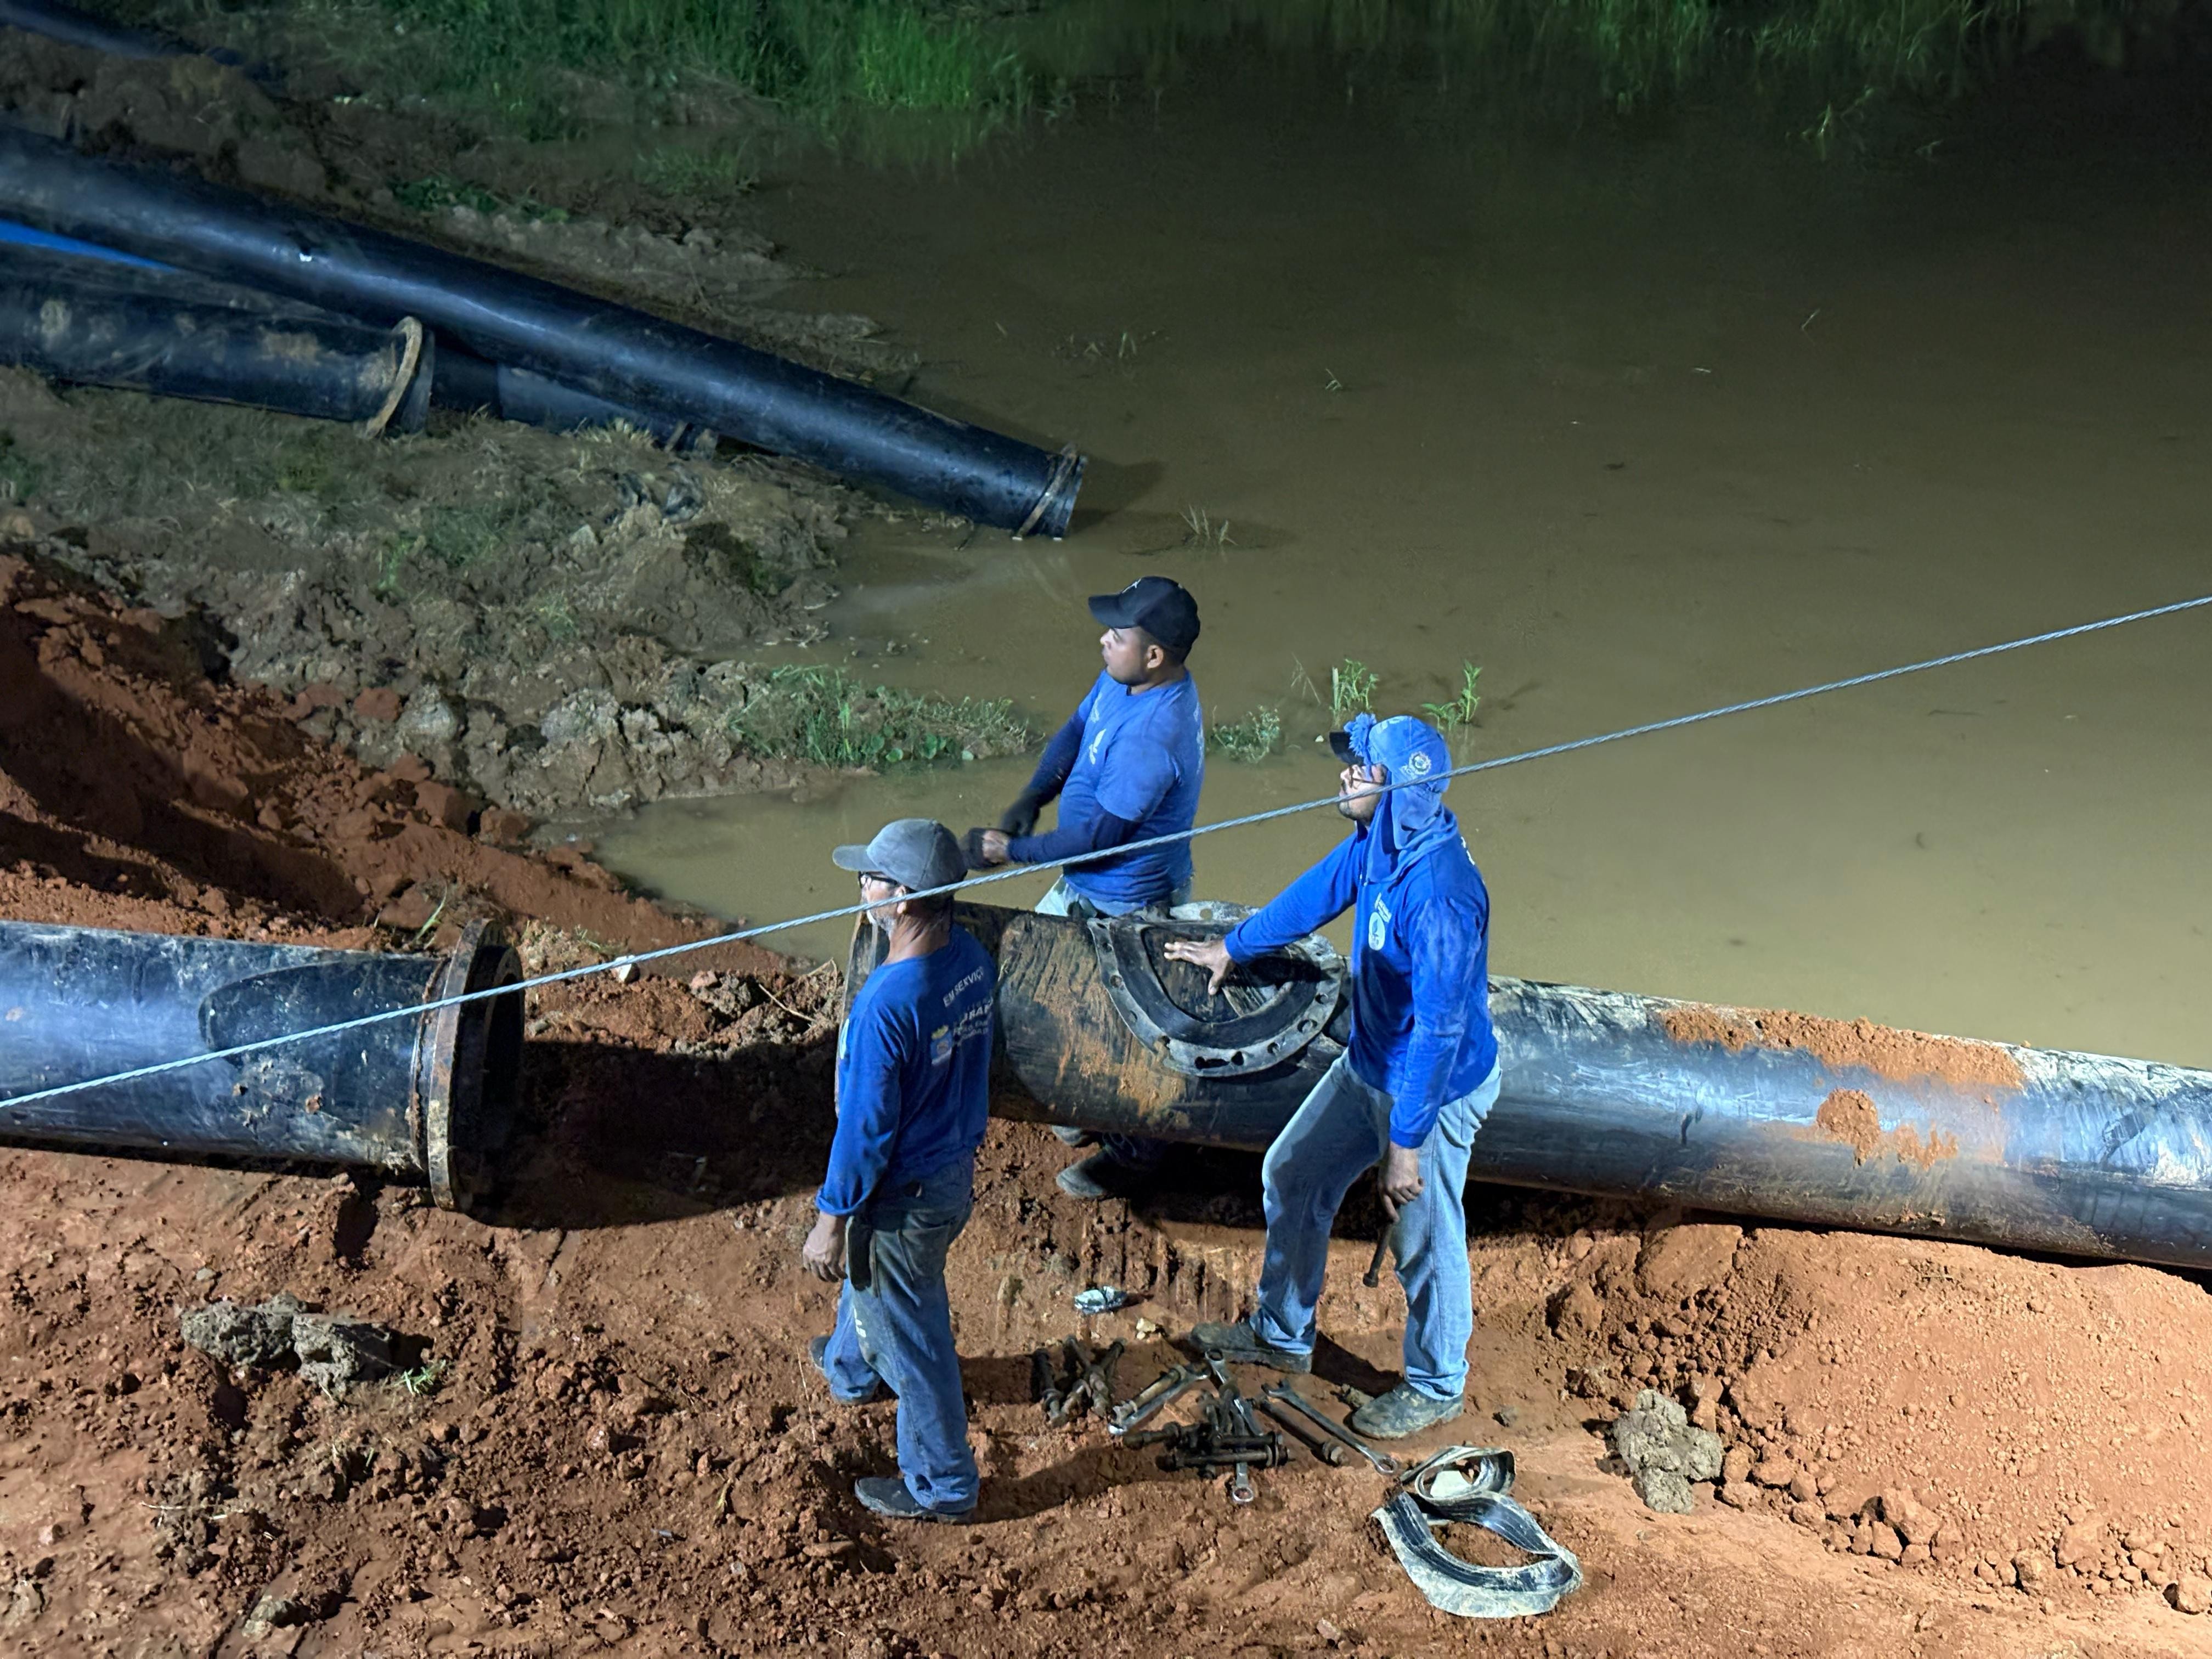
[90,323]
[466,382]
[462,380]
[1744,1111]
[73,27]
[611,351]
[430,1098]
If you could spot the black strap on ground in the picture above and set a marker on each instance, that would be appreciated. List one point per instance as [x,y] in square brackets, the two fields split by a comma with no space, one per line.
[1473,1483]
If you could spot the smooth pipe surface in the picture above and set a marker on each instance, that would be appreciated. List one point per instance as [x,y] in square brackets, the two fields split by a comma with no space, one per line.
[614,352]
[1757,1112]
[88,322]
[428,1099]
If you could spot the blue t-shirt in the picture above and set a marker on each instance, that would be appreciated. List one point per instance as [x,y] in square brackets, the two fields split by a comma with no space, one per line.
[913,1073]
[1143,758]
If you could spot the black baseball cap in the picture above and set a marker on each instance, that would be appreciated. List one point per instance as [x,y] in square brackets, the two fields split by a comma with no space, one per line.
[1162,608]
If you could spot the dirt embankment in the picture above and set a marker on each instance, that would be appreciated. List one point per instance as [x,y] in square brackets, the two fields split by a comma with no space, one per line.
[609,1439]
[560,617]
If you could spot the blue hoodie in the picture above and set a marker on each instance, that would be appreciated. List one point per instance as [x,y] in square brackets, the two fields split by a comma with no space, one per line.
[1420,947]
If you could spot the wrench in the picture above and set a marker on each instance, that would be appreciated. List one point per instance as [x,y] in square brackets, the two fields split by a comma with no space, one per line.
[1326,1451]
[1168,1386]
[1291,1397]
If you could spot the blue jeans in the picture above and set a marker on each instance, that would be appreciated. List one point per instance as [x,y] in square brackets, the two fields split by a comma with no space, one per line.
[1337,1135]
[1138,1151]
[895,1326]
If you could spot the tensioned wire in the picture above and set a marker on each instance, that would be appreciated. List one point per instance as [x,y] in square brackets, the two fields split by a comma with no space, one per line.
[1013,871]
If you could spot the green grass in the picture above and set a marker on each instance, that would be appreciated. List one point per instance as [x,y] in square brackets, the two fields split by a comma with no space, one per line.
[823,715]
[817,56]
[1254,738]
[677,171]
[19,474]
[1455,712]
[437,192]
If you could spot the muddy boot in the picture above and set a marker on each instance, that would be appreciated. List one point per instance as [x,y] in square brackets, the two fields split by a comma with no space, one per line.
[886,1495]
[1237,1344]
[1402,1412]
[1102,1176]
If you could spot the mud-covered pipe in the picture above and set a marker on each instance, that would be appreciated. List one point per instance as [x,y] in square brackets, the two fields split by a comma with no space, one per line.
[428,1099]
[91,323]
[461,381]
[1753,1112]
[466,382]
[611,351]
[73,27]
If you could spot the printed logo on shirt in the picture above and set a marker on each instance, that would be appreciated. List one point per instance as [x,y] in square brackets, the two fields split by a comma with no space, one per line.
[1098,743]
[1417,765]
[974,979]
[1378,924]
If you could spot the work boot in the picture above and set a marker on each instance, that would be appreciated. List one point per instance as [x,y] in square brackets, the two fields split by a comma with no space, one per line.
[1240,1345]
[817,1351]
[1405,1410]
[1103,1174]
[1069,1135]
[886,1495]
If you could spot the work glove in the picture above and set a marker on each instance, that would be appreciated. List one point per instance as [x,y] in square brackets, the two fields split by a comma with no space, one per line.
[971,849]
[1020,819]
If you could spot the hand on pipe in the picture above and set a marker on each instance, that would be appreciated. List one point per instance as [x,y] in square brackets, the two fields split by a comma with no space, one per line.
[1210,954]
[823,1252]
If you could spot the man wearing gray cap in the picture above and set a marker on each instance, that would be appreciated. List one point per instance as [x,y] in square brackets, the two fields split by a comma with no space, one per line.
[914,1064]
[1126,766]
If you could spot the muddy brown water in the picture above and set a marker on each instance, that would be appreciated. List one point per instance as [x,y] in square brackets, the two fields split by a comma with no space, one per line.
[1641,425]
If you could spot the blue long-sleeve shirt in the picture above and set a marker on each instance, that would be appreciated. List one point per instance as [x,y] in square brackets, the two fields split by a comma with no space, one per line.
[914,1066]
[1421,972]
[1128,765]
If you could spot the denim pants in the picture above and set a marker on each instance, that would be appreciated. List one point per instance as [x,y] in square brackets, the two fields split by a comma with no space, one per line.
[895,1326]
[1138,1151]
[1341,1132]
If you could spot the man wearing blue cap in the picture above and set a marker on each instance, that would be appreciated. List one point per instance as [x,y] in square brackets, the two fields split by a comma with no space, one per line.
[1411,1091]
[913,1064]
[1126,766]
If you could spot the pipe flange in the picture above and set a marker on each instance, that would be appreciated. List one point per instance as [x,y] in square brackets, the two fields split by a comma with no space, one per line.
[1281,1008]
[464,1065]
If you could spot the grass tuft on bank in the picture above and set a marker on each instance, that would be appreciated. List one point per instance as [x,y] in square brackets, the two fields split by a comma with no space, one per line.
[817,713]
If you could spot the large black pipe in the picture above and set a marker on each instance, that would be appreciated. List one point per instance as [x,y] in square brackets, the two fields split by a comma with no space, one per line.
[92,323]
[458,380]
[1750,1112]
[75,28]
[611,351]
[428,1099]
[467,382]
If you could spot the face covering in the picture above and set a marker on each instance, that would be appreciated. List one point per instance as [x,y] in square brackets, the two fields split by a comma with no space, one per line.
[1410,821]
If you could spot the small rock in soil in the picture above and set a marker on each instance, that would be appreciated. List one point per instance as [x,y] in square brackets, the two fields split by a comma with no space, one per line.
[1656,1437]
[332,1350]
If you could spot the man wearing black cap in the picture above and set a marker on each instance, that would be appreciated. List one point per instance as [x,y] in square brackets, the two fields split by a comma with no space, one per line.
[1126,766]
[913,1064]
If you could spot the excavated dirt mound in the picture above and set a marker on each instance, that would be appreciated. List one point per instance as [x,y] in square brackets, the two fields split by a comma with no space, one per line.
[601,1433]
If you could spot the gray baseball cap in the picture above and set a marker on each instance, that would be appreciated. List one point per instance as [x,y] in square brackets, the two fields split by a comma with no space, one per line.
[915,853]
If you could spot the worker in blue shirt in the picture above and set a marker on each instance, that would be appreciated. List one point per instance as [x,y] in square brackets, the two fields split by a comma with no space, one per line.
[914,1064]
[1411,1090]
[1126,766]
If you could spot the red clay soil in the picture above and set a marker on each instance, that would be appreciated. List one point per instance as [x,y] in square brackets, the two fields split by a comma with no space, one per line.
[610,1439]
[1884,1050]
